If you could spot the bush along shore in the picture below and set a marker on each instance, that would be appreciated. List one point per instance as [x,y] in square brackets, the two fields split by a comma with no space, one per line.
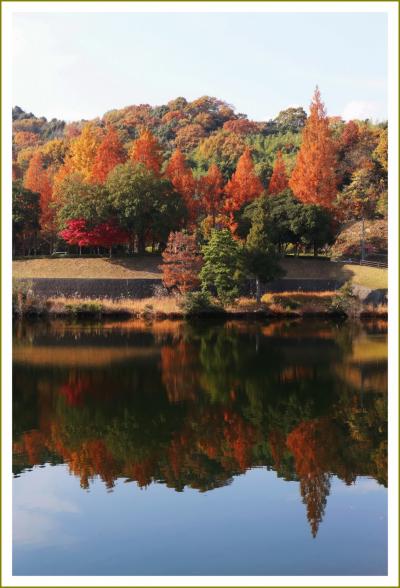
[339,303]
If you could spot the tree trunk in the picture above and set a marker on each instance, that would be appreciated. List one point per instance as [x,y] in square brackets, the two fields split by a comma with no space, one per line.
[315,249]
[80,249]
[110,250]
[141,244]
[258,290]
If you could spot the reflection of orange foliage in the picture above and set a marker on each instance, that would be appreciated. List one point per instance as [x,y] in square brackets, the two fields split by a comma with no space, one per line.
[141,472]
[293,373]
[179,372]
[241,438]
[312,444]
[90,460]
[32,443]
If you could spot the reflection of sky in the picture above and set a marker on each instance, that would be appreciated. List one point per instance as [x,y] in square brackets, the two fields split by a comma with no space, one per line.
[255,526]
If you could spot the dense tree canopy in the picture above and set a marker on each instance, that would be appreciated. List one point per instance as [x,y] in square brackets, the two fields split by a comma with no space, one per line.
[213,161]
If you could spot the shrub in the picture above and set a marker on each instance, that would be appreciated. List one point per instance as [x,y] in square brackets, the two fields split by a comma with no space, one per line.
[79,308]
[286,302]
[344,300]
[199,303]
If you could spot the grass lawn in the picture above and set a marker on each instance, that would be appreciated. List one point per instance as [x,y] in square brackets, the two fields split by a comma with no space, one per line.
[143,267]
[303,267]
[146,267]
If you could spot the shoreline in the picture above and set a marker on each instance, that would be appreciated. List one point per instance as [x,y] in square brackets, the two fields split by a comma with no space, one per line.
[288,305]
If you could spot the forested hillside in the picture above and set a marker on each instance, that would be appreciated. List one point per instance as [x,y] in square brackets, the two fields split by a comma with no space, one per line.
[131,177]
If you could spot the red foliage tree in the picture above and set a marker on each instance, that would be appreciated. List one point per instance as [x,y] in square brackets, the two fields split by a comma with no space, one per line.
[211,189]
[241,126]
[76,233]
[313,180]
[182,179]
[106,234]
[279,180]
[181,262]
[109,154]
[147,151]
[243,187]
[350,135]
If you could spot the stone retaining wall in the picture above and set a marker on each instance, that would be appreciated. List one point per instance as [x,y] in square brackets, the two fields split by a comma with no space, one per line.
[145,288]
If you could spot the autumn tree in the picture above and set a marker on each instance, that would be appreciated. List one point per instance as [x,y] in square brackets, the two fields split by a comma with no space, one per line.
[222,148]
[211,190]
[147,151]
[37,180]
[76,233]
[83,151]
[189,136]
[181,262]
[313,180]
[381,151]
[359,199]
[242,188]
[241,126]
[279,180]
[54,153]
[182,179]
[106,234]
[109,154]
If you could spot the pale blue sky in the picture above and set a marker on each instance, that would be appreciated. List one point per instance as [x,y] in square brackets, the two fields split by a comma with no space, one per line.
[79,65]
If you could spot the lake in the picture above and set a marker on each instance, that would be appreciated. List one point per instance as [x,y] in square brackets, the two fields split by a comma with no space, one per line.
[200,448]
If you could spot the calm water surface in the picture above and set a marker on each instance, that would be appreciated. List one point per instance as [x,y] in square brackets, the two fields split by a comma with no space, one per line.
[200,449]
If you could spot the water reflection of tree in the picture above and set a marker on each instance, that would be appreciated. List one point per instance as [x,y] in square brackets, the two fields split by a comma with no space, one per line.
[214,401]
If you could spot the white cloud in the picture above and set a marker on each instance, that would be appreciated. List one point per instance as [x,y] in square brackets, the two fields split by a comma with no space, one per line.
[362,109]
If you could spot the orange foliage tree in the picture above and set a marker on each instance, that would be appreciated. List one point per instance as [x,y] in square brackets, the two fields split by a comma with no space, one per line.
[241,126]
[109,154]
[37,180]
[313,180]
[182,179]
[211,189]
[279,180]
[244,186]
[147,151]
[181,262]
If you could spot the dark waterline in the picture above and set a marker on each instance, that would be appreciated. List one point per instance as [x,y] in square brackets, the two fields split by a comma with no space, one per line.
[206,448]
